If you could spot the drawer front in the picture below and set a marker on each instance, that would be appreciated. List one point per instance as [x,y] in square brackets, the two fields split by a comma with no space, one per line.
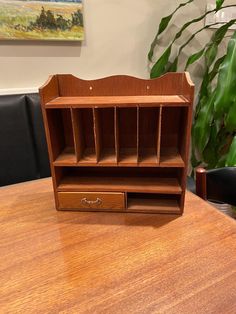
[91,201]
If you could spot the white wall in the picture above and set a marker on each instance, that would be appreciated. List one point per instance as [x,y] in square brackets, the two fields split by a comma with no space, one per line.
[118,34]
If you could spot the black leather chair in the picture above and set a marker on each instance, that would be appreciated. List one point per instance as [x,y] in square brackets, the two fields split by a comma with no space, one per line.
[23,150]
[217,185]
[38,134]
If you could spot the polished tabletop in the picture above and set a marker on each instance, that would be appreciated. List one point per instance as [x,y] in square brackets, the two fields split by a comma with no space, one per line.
[74,262]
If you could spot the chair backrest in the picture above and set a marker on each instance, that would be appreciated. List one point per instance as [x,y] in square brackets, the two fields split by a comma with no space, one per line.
[217,185]
[23,149]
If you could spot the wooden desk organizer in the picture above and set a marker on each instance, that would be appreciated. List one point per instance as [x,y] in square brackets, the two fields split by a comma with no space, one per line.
[118,143]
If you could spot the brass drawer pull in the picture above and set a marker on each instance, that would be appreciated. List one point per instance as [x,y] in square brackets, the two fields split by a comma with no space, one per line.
[85,201]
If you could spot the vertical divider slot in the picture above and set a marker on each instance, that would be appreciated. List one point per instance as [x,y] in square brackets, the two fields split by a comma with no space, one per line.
[127,121]
[172,136]
[104,131]
[97,133]
[61,135]
[76,135]
[138,133]
[149,123]
[117,144]
[159,135]
[84,135]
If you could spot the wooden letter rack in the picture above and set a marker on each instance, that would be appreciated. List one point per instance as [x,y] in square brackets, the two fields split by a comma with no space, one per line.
[119,143]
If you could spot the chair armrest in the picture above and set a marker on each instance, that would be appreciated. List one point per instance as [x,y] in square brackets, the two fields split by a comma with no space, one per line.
[201,189]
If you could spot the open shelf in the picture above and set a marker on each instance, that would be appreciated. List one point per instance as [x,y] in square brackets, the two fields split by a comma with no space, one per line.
[61,135]
[84,135]
[132,184]
[122,179]
[118,100]
[162,203]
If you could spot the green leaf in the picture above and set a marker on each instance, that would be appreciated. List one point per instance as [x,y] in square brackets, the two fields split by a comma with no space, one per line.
[163,56]
[221,161]
[186,25]
[205,89]
[159,67]
[218,36]
[162,26]
[154,43]
[194,161]
[173,66]
[230,118]
[212,50]
[215,69]
[226,85]
[224,138]
[219,4]
[210,153]
[220,33]
[164,23]
[202,126]
[194,57]
[231,157]
[211,53]
[201,103]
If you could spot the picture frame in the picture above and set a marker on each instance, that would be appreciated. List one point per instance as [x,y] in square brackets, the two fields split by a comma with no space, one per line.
[50,20]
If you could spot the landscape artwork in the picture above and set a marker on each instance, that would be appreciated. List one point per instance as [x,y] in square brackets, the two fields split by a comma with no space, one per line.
[41,20]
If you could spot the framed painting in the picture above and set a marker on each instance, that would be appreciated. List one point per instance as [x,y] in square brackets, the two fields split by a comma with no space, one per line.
[41,20]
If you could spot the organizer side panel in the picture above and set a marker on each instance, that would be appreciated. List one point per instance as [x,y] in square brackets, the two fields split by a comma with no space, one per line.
[185,150]
[50,90]
[47,92]
[187,87]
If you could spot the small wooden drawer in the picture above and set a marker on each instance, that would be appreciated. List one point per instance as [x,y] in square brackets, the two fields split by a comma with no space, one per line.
[91,201]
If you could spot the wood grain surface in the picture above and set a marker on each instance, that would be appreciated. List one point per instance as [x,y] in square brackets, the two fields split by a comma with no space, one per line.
[61,102]
[92,201]
[74,262]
